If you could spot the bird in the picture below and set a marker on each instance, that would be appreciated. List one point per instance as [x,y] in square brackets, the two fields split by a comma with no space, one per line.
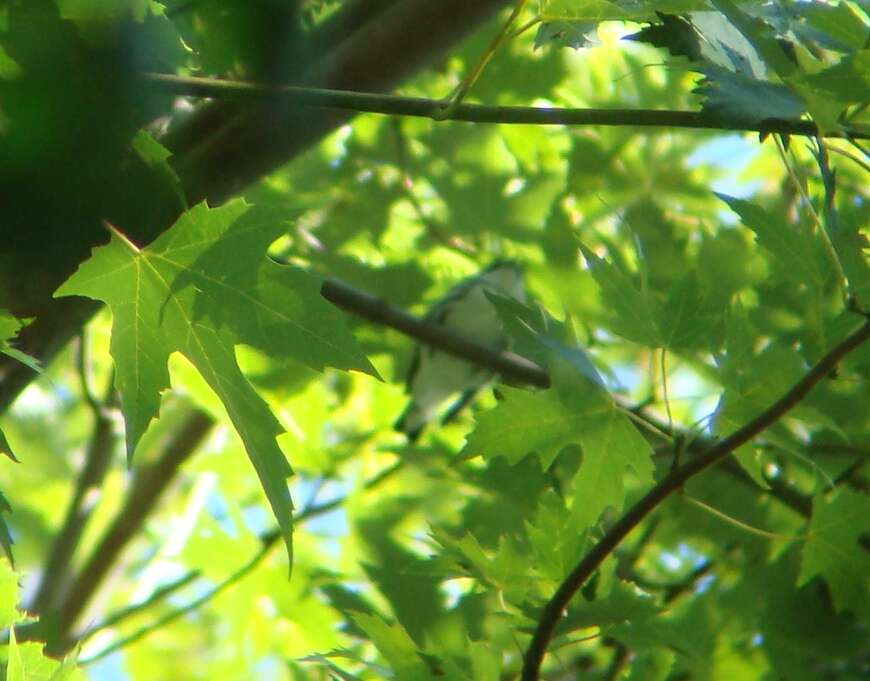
[435,375]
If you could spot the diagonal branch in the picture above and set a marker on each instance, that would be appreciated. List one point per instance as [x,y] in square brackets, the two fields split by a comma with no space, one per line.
[672,482]
[81,505]
[146,489]
[508,364]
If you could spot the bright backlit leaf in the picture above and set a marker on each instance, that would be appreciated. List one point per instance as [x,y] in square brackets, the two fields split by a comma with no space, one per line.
[202,288]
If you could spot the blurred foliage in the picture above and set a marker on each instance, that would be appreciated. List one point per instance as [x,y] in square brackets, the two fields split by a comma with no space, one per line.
[703,273]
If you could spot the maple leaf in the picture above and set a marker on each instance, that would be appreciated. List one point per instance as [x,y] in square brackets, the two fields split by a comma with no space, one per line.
[203,287]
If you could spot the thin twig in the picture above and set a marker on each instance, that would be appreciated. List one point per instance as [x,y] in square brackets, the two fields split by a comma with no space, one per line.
[462,89]
[852,157]
[83,370]
[269,540]
[724,517]
[179,612]
[617,663]
[830,251]
[155,597]
[848,474]
[673,481]
[349,100]
[664,370]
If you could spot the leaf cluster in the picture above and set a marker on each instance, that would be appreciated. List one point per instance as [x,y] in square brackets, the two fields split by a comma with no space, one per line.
[680,283]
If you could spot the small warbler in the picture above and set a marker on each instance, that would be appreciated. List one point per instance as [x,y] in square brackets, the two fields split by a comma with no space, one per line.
[435,375]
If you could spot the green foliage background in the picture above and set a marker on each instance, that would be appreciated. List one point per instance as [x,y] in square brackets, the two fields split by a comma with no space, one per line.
[434,560]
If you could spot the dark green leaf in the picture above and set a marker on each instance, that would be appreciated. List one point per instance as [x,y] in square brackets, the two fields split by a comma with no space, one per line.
[833,549]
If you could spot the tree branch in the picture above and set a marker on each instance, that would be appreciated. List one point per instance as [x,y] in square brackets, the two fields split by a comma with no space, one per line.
[508,364]
[370,102]
[98,456]
[520,370]
[146,490]
[673,481]
[224,147]
[777,488]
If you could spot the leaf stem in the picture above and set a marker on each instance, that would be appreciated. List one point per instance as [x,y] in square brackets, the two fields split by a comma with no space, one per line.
[724,517]
[664,370]
[853,157]
[467,83]
[673,481]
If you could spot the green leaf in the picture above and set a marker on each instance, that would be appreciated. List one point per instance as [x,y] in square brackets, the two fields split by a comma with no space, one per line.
[200,289]
[623,610]
[5,536]
[15,670]
[740,101]
[708,40]
[545,422]
[9,68]
[403,578]
[800,629]
[760,35]
[486,662]
[680,322]
[850,241]
[833,549]
[840,23]
[574,34]
[608,10]
[103,10]
[632,310]
[393,642]
[524,422]
[9,614]
[5,447]
[752,383]
[157,156]
[28,662]
[554,537]
[541,338]
[848,80]
[610,444]
[652,665]
[9,328]
[795,248]
[683,319]
[504,568]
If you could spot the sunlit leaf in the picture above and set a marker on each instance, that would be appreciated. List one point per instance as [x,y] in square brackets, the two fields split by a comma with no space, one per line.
[204,286]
